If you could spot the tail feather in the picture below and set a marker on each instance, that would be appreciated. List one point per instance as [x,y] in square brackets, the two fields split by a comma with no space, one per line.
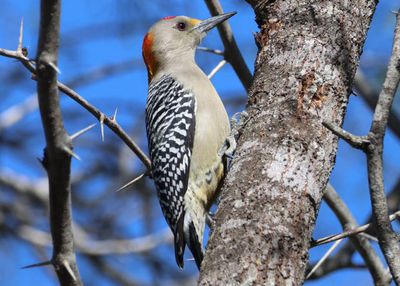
[179,239]
[195,245]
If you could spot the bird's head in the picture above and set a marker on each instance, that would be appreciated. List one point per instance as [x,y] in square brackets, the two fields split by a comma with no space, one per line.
[174,40]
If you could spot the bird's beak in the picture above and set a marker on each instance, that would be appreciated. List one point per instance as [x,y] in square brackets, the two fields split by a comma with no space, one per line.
[207,24]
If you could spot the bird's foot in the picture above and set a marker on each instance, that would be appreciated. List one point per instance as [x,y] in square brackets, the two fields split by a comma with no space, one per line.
[227,151]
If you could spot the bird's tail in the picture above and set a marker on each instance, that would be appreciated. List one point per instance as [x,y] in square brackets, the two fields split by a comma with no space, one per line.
[189,231]
[179,240]
[195,245]
[194,230]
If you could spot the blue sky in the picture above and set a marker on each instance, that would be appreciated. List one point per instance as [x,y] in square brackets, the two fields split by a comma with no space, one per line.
[83,49]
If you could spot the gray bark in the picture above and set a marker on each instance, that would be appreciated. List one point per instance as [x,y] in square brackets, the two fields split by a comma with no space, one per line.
[388,239]
[309,52]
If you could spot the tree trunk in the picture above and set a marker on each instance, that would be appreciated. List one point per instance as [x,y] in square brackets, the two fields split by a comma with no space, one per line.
[309,52]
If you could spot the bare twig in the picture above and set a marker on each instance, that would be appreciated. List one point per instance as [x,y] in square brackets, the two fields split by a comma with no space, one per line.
[388,240]
[16,112]
[372,260]
[370,237]
[23,185]
[57,160]
[343,257]
[324,257]
[348,233]
[370,96]
[217,68]
[336,262]
[90,246]
[212,51]
[231,53]
[102,72]
[359,142]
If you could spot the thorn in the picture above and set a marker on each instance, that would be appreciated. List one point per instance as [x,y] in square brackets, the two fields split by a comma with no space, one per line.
[71,153]
[21,31]
[45,263]
[69,269]
[131,182]
[114,117]
[54,67]
[80,132]
[102,126]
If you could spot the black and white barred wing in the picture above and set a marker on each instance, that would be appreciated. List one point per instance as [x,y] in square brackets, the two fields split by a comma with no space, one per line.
[170,124]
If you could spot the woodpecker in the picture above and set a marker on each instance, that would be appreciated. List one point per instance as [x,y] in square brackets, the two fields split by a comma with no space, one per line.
[187,126]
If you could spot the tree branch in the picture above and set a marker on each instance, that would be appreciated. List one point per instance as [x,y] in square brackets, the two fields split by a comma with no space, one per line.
[351,232]
[358,142]
[343,257]
[231,51]
[18,111]
[109,121]
[89,246]
[372,260]
[57,159]
[370,96]
[388,239]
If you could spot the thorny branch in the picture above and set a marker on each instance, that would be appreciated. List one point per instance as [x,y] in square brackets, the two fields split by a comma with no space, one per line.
[388,239]
[57,154]
[109,121]
[16,112]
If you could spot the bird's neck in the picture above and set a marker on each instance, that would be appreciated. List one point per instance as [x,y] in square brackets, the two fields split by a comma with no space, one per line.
[177,67]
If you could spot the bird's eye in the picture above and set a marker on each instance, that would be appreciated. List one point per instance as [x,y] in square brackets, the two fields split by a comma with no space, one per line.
[181,26]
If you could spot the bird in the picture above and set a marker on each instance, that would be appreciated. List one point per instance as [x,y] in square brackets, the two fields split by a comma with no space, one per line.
[187,128]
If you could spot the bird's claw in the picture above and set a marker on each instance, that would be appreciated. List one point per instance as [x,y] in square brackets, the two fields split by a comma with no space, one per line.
[227,151]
